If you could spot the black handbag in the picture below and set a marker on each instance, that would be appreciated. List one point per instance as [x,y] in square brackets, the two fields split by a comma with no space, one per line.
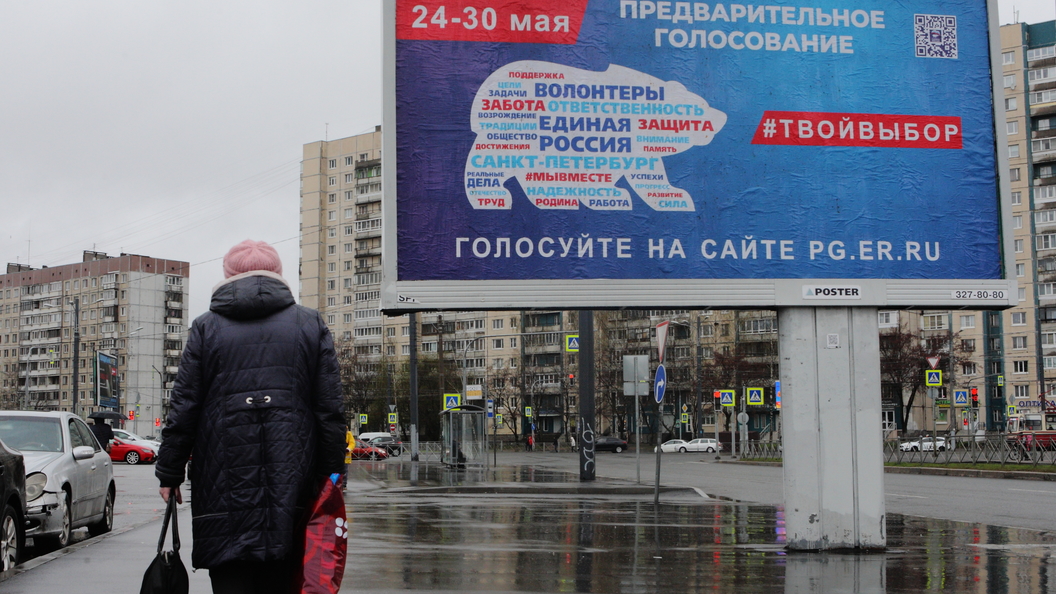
[166,574]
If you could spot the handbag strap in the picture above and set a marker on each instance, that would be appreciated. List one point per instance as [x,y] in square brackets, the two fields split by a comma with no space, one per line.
[170,513]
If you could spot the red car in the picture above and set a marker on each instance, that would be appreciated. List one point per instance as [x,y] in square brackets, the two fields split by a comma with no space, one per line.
[369,452]
[131,453]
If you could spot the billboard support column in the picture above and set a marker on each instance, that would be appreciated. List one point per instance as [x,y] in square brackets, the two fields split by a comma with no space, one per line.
[586,395]
[830,376]
[412,323]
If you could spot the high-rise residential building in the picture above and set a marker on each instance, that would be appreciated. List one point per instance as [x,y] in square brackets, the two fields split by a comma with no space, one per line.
[132,312]
[1021,342]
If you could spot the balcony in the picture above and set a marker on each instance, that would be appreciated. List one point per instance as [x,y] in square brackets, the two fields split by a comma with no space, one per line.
[1042,109]
[174,288]
[171,369]
[173,353]
[174,321]
[174,304]
[1044,157]
[174,336]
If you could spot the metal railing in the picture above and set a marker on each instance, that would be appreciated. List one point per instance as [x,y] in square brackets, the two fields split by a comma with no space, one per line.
[1015,454]
[1026,453]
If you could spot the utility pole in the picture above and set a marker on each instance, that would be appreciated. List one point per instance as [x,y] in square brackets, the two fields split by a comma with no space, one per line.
[412,319]
[698,427]
[76,351]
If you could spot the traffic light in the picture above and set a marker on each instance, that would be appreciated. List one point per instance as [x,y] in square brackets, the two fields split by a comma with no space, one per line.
[975,396]
[131,415]
[157,422]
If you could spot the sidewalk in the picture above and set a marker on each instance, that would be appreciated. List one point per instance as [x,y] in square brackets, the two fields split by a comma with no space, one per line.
[525,528]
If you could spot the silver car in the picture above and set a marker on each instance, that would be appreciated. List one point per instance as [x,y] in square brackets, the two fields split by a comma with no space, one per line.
[69,479]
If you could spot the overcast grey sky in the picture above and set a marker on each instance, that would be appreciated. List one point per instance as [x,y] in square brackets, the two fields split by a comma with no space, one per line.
[174,129]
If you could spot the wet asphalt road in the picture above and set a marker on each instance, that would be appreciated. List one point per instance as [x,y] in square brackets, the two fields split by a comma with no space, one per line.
[537,530]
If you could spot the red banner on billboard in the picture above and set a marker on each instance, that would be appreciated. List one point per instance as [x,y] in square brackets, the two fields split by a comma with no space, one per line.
[803,128]
[501,21]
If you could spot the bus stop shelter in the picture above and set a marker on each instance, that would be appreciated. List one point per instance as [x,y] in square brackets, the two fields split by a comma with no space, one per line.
[463,436]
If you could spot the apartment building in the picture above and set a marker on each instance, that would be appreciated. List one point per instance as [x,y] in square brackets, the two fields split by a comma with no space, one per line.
[131,310]
[1021,342]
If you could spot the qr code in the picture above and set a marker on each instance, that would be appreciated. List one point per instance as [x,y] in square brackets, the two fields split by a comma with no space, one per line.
[935,36]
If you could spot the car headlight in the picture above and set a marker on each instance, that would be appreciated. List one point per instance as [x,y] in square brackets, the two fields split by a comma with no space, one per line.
[35,485]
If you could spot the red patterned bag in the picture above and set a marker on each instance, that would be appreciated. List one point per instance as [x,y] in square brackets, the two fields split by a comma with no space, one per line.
[325,541]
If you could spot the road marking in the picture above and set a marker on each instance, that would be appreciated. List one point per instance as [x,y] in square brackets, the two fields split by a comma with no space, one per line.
[910,496]
[1033,491]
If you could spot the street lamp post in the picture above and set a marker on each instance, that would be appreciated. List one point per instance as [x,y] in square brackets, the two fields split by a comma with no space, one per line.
[76,349]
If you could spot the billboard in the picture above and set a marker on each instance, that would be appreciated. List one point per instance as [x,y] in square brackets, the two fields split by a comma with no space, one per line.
[622,153]
[106,385]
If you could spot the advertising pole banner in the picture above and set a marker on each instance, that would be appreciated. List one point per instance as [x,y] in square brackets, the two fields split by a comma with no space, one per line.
[642,153]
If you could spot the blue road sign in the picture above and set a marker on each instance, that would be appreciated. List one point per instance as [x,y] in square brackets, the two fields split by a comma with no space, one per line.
[660,383]
[960,397]
[572,343]
[726,397]
[452,400]
[491,408]
[755,396]
[933,378]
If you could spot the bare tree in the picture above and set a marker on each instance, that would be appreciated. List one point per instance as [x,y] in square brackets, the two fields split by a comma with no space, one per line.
[903,361]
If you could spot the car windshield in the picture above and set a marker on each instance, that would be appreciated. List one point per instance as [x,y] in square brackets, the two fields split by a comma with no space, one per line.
[31,434]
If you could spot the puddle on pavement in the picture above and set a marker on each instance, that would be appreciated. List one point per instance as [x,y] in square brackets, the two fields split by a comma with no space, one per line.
[620,543]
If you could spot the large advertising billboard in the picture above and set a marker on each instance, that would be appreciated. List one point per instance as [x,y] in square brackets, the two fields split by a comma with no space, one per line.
[621,153]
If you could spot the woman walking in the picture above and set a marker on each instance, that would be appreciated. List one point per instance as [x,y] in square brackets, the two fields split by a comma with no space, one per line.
[257,401]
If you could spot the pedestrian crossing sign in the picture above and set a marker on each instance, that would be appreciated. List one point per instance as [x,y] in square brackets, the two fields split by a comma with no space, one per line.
[685,418]
[362,419]
[727,397]
[392,418]
[572,343]
[960,397]
[755,396]
[933,378]
[452,401]
[1011,410]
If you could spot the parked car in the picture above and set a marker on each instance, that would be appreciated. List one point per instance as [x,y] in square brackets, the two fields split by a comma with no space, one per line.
[608,443]
[69,477]
[129,437]
[925,444]
[12,507]
[372,435]
[365,451]
[702,444]
[130,452]
[389,443]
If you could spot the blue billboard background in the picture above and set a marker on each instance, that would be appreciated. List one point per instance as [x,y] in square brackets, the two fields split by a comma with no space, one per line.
[743,193]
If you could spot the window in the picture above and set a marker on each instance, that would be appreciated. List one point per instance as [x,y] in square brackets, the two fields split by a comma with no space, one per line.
[968,368]
[1008,58]
[1020,366]
[1049,362]
[513,345]
[934,322]
[1019,342]
[1021,269]
[1043,146]
[887,319]
[331,285]
[1013,151]
[1012,127]
[348,318]
[1018,246]
[350,248]
[1048,339]
[1042,97]
[331,266]
[1045,194]
[331,250]
[1022,391]
[390,332]
[331,301]
[331,215]
[1011,104]
[333,163]
[348,160]
[497,324]
[1017,198]
[1041,74]
[1046,289]
[1041,52]
[1010,81]
[1045,171]
[497,343]
[758,326]
[1019,318]
[1013,174]
[968,345]
[332,180]
[349,178]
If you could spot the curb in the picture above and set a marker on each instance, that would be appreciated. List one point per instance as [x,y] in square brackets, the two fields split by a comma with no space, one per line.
[545,489]
[1023,475]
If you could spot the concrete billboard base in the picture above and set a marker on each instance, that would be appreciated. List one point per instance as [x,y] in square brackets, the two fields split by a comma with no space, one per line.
[831,414]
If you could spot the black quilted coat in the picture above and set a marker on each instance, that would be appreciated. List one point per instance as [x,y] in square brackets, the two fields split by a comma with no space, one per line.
[257,400]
